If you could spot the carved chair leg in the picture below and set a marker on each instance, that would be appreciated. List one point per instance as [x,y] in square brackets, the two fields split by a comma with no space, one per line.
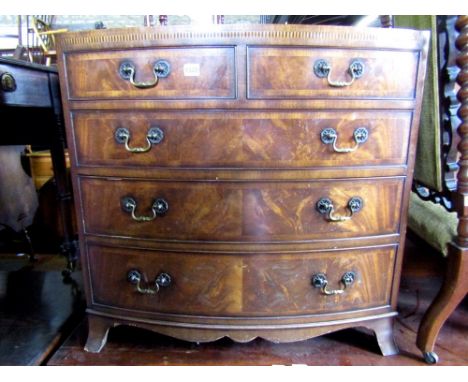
[383,329]
[453,290]
[97,333]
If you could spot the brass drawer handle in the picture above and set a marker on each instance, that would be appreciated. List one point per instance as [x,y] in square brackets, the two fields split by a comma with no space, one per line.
[161,69]
[330,136]
[320,280]
[159,208]
[135,277]
[154,136]
[8,82]
[325,207]
[323,69]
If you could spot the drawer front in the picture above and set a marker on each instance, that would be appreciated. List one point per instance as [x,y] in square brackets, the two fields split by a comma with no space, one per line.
[23,86]
[242,140]
[240,285]
[288,72]
[238,211]
[190,72]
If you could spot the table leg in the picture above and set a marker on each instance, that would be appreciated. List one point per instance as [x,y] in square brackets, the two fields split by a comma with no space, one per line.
[69,247]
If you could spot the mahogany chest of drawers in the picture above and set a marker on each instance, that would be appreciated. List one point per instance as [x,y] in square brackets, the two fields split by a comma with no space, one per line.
[242,181]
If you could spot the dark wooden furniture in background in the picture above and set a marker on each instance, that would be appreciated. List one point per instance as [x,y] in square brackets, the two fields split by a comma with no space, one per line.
[31,113]
[242,181]
[455,284]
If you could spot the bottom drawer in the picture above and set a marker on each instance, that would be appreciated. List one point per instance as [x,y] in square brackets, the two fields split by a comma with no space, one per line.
[241,284]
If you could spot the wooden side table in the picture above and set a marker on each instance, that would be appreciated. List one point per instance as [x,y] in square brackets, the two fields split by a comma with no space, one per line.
[31,113]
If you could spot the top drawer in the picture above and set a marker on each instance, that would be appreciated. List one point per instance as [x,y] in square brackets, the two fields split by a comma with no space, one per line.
[302,72]
[168,73]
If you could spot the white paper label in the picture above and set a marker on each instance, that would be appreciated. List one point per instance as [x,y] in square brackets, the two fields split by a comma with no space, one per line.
[191,70]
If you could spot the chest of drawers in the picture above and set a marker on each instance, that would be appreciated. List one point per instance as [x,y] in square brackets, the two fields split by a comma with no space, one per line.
[242,181]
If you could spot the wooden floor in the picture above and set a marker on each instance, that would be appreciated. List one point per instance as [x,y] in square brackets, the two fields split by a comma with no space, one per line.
[38,310]
[133,346]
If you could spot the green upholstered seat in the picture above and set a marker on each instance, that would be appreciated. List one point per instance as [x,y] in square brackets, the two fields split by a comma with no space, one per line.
[432,222]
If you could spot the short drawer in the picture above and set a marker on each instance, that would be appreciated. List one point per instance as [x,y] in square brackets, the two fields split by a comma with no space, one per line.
[242,140]
[302,72]
[177,73]
[241,284]
[241,211]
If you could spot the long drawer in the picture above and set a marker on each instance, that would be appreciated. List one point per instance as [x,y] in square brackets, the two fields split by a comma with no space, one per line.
[241,285]
[171,73]
[307,72]
[242,140]
[241,211]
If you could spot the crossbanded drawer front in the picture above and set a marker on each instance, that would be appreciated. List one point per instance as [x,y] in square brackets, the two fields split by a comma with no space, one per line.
[241,211]
[179,73]
[242,140]
[302,72]
[241,285]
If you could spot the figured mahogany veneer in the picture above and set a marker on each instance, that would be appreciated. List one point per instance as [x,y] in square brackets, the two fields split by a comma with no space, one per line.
[198,194]
[240,285]
[242,140]
[247,211]
[96,74]
[287,72]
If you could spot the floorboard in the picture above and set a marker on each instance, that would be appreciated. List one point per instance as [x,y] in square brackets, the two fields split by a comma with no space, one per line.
[37,309]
